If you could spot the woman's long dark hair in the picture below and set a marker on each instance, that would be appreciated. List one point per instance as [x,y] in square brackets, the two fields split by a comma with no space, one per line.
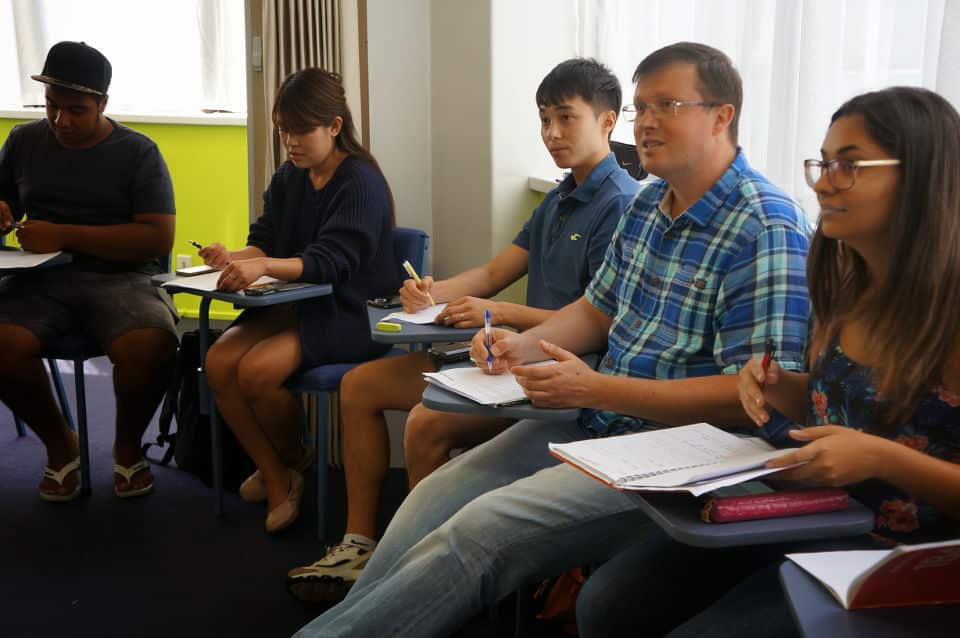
[912,318]
[313,97]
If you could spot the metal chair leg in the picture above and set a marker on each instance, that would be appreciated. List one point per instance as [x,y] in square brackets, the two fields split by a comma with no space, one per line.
[82,427]
[320,440]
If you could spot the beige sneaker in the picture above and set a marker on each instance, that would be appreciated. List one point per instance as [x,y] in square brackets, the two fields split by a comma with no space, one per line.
[329,579]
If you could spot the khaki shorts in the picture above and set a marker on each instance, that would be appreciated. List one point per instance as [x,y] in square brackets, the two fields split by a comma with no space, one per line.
[104,306]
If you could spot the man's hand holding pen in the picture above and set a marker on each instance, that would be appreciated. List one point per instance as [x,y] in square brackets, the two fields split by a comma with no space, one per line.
[41,237]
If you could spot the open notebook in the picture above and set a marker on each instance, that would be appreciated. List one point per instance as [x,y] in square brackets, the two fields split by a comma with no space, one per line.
[927,574]
[208,282]
[474,384]
[692,458]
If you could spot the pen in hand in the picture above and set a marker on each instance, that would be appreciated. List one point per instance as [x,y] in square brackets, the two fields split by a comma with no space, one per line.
[486,329]
[413,275]
[195,244]
[17,225]
[768,351]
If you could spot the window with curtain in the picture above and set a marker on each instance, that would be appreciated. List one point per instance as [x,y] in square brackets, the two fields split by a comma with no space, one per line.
[180,57]
[799,60]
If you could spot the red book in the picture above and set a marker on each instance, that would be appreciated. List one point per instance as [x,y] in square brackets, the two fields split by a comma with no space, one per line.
[748,507]
[927,574]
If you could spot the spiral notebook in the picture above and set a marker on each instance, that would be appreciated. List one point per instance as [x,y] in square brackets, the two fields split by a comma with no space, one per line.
[691,458]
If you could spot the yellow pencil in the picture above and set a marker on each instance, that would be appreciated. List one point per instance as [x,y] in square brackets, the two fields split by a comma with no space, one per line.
[413,275]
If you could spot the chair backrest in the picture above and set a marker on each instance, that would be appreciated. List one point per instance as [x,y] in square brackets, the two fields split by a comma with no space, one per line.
[413,245]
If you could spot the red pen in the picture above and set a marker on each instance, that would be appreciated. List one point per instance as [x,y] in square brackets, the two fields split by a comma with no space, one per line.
[768,351]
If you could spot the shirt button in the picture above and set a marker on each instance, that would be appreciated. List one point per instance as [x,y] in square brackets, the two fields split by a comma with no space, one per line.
[637,323]
[700,284]
[654,281]
[668,235]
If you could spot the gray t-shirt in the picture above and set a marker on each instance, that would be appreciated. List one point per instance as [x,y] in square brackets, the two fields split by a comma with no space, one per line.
[106,184]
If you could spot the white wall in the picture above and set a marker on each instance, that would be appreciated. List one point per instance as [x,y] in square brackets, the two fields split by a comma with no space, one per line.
[399,82]
[528,39]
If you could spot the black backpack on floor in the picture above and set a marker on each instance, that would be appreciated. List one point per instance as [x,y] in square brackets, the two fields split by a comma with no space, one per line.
[190,445]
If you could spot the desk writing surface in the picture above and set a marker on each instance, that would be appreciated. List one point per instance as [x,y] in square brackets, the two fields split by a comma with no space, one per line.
[244,301]
[436,398]
[817,613]
[414,333]
[14,259]
[679,516]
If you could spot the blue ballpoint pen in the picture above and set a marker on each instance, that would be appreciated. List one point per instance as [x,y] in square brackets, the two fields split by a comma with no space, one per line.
[486,329]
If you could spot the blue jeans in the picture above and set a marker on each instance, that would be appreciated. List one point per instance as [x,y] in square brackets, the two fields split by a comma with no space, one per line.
[502,515]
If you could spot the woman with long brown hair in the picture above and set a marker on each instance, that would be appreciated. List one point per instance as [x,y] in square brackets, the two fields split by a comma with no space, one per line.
[327,218]
[881,399]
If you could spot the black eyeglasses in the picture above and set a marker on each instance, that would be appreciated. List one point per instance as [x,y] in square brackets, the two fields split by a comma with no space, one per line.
[842,174]
[659,109]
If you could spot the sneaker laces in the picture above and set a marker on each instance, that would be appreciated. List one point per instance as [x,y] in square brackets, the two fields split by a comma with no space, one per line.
[333,550]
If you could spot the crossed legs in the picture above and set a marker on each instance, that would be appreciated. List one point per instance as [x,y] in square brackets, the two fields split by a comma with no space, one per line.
[246,369]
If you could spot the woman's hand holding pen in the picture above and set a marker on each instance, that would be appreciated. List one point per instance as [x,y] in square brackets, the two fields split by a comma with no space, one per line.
[241,273]
[467,312]
[215,255]
[569,383]
[835,456]
[753,385]
[416,296]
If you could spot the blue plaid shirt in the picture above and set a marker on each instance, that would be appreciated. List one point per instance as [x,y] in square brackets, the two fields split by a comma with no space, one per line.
[701,294]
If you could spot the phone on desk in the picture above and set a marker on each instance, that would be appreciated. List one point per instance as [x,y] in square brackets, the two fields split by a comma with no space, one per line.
[385,302]
[450,352]
[269,289]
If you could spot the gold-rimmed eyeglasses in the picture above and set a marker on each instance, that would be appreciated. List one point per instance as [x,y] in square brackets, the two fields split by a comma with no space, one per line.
[659,109]
[841,173]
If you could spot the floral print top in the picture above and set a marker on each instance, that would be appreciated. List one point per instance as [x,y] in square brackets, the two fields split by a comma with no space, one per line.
[842,392]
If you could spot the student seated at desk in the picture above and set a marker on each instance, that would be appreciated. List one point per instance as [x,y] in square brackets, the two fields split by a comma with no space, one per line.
[882,395]
[675,302]
[559,248]
[327,218]
[86,184]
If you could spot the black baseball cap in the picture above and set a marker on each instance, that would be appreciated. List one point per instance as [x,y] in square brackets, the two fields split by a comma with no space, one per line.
[76,66]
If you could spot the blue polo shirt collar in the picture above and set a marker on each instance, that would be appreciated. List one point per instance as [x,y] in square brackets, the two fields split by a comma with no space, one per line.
[713,199]
[584,192]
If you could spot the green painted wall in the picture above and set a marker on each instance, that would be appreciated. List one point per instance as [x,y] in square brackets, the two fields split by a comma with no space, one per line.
[208,165]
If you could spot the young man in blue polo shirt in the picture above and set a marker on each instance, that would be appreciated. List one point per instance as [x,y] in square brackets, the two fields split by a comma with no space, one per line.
[559,248]
[706,265]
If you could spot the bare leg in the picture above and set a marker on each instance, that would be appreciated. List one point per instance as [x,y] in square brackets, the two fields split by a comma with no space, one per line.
[142,363]
[365,392]
[273,340]
[431,435]
[25,388]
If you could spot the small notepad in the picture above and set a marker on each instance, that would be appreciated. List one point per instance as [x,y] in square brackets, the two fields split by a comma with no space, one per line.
[486,389]
[427,315]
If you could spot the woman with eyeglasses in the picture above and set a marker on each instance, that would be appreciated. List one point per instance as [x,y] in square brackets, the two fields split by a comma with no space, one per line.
[881,400]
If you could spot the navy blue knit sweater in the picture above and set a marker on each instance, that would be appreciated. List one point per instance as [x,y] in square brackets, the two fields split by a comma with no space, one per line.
[345,238]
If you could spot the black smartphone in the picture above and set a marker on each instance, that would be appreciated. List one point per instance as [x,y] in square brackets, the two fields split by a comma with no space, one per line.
[269,289]
[385,302]
[451,352]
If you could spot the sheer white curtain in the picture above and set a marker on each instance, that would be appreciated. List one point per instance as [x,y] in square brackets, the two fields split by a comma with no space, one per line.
[799,59]
[175,56]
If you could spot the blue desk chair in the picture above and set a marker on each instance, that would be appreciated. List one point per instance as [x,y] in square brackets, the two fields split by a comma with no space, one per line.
[408,244]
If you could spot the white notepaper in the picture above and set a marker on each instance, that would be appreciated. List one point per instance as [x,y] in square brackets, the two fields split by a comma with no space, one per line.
[426,315]
[692,458]
[474,384]
[13,259]
[208,282]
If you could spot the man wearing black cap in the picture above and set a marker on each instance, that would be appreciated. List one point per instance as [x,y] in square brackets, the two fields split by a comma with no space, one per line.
[80,182]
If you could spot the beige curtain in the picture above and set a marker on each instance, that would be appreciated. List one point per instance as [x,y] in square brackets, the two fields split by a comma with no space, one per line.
[296,34]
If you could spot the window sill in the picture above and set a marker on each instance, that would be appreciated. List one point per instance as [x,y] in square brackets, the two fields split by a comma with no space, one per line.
[542,184]
[202,119]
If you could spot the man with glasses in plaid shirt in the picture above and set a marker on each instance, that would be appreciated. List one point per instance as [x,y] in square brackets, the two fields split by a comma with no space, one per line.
[706,266]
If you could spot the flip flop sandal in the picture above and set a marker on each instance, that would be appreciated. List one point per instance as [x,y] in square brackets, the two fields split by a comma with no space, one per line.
[59,476]
[127,473]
